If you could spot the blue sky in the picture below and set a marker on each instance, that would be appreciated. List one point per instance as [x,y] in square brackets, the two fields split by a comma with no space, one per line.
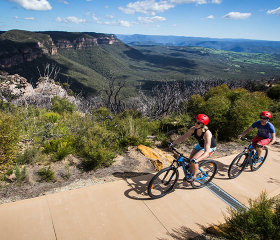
[251,19]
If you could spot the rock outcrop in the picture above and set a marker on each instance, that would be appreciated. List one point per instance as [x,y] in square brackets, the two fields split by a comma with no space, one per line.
[16,89]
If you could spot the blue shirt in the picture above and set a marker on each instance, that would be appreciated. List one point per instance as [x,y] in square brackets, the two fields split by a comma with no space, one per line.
[264,131]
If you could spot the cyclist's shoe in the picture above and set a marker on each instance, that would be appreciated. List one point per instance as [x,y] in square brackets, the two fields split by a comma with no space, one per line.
[192,178]
[258,159]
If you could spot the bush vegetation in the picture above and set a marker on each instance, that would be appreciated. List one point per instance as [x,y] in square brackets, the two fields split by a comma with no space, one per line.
[97,137]
[260,221]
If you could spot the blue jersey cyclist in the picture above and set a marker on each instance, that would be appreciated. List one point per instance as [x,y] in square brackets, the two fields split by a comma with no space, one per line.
[206,143]
[266,133]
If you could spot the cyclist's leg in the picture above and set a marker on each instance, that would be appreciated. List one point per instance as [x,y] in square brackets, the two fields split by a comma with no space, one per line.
[260,144]
[196,152]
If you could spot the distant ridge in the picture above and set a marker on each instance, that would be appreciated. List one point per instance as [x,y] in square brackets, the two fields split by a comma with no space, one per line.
[87,59]
[226,44]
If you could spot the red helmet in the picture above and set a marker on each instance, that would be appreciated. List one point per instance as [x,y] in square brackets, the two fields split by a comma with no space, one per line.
[265,114]
[202,118]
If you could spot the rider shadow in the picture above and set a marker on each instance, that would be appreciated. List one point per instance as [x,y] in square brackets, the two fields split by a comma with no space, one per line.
[138,183]
[222,171]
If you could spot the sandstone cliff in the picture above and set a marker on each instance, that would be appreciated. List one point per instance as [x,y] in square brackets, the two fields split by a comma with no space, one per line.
[18,47]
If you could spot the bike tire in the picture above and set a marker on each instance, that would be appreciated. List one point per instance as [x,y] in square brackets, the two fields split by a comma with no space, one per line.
[237,165]
[256,166]
[156,184]
[207,172]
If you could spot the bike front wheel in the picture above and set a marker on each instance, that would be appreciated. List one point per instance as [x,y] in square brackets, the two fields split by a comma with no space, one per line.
[207,171]
[256,165]
[237,165]
[163,182]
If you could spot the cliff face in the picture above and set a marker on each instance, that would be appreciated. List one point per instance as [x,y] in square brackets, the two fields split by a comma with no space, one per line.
[17,48]
[18,56]
[85,42]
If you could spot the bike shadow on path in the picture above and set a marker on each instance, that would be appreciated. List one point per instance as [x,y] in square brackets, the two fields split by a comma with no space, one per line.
[138,184]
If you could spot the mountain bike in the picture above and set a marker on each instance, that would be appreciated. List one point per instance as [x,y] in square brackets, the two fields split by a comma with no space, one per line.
[245,158]
[164,181]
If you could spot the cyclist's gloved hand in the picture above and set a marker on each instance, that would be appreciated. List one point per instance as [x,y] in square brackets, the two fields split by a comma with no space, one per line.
[170,145]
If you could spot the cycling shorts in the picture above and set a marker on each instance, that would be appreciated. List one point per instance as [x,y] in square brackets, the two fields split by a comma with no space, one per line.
[261,141]
[198,148]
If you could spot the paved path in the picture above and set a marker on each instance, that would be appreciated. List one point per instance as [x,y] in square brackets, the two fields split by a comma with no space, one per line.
[122,210]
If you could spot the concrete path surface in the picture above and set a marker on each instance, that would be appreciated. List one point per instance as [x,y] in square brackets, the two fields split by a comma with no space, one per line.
[122,210]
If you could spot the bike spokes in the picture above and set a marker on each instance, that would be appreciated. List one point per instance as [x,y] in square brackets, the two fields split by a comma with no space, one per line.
[258,162]
[237,166]
[207,171]
[163,182]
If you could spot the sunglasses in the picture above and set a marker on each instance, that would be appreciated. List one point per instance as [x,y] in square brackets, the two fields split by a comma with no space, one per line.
[198,123]
[263,118]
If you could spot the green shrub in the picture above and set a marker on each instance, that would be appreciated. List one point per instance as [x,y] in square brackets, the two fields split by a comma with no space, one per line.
[260,221]
[59,148]
[9,136]
[230,111]
[96,157]
[274,92]
[61,105]
[20,174]
[102,114]
[30,155]
[51,117]
[46,174]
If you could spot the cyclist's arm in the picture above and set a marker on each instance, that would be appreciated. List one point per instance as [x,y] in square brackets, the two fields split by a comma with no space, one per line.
[245,132]
[185,136]
[273,139]
[207,144]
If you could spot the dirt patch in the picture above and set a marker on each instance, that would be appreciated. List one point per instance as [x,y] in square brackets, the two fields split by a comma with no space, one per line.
[69,176]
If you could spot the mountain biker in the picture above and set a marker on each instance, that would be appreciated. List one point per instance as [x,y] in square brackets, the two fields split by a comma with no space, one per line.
[266,133]
[206,143]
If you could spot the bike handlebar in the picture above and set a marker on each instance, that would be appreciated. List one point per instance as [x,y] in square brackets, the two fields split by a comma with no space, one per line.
[175,150]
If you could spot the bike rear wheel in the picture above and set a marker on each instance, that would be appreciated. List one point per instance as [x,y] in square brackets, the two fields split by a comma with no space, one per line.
[237,165]
[163,182]
[207,171]
[256,165]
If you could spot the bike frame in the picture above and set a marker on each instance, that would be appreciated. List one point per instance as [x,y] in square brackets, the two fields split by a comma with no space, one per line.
[181,163]
[252,155]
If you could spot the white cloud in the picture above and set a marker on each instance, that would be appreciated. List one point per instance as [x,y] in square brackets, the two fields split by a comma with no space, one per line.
[274,11]
[151,19]
[217,1]
[237,15]
[29,18]
[70,20]
[147,7]
[16,17]
[210,17]
[37,5]
[189,1]
[122,23]
[96,19]
[109,16]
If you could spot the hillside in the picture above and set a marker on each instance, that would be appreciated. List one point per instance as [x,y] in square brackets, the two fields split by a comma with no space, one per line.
[85,59]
